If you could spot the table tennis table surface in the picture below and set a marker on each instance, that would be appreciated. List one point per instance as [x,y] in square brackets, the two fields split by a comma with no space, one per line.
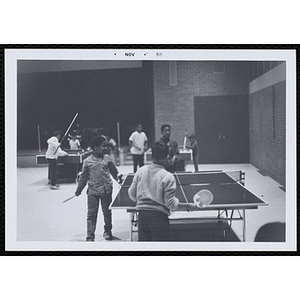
[228,192]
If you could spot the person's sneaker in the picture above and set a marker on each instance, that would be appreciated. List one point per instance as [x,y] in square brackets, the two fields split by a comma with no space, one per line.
[107,235]
[89,239]
[54,187]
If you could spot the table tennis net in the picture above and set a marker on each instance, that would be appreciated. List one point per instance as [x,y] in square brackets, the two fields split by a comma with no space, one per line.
[202,178]
[210,178]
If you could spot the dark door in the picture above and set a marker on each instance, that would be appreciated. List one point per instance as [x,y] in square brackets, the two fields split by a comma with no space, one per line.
[222,129]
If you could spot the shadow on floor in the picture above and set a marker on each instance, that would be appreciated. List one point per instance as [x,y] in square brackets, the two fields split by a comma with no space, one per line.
[81,238]
[271,232]
[42,182]
[203,232]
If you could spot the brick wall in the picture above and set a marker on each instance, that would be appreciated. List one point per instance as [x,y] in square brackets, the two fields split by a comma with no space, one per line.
[175,104]
[267,111]
[267,114]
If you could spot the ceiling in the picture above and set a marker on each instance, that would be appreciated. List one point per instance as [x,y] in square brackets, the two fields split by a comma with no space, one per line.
[36,66]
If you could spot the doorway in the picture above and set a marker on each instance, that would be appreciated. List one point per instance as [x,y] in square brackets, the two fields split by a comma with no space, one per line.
[222,129]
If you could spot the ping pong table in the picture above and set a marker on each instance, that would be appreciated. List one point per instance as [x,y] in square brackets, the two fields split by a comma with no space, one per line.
[231,198]
[68,166]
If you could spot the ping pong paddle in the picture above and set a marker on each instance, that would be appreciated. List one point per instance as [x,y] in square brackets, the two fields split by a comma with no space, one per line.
[69,199]
[120,178]
[203,198]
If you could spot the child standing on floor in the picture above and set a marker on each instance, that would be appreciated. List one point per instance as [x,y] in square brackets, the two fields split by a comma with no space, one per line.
[96,171]
[52,154]
[74,143]
[138,142]
[174,154]
[153,188]
[195,149]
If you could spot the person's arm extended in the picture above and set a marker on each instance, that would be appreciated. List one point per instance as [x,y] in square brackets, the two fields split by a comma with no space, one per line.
[186,206]
[113,170]
[61,152]
[132,145]
[170,199]
[83,178]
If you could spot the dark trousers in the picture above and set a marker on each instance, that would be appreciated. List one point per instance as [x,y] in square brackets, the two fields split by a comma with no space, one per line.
[53,170]
[153,226]
[195,161]
[92,213]
[138,159]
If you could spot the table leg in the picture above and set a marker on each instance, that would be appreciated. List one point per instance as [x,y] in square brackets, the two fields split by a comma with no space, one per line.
[244,225]
[133,224]
[131,219]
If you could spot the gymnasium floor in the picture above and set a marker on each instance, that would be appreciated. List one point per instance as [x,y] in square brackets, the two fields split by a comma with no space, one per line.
[42,216]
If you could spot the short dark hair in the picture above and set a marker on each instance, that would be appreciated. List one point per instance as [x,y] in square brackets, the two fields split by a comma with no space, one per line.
[164,126]
[159,150]
[97,141]
[56,132]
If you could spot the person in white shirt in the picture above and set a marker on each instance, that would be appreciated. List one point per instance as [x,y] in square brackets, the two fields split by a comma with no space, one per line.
[138,142]
[53,152]
[74,143]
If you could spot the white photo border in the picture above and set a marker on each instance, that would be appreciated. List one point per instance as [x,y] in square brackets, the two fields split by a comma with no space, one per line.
[11,57]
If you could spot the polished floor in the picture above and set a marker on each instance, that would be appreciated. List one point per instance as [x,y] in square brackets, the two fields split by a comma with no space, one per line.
[42,215]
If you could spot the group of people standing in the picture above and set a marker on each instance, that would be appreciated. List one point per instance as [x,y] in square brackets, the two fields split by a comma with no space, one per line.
[153,186]
[138,142]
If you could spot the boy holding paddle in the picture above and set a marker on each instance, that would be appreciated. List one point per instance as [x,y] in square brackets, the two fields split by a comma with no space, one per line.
[153,188]
[173,148]
[96,171]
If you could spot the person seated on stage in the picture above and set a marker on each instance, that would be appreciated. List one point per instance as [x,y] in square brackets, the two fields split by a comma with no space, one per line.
[153,188]
[96,171]
[52,154]
[74,143]
[194,147]
[173,154]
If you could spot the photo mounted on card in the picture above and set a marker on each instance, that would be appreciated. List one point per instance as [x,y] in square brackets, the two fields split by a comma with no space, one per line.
[150,149]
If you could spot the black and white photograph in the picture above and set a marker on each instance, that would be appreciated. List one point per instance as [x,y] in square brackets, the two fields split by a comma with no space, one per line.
[150,149]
